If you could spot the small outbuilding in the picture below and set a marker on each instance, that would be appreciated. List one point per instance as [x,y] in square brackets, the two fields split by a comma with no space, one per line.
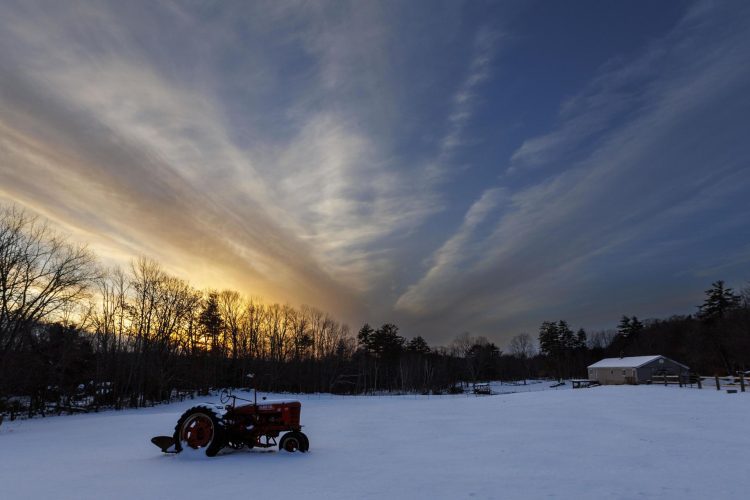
[635,369]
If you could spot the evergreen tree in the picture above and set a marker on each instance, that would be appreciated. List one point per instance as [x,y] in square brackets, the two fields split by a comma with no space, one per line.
[580,341]
[567,341]
[719,301]
[386,341]
[482,359]
[636,326]
[418,345]
[365,337]
[629,327]
[212,323]
[549,339]
[550,345]
[387,346]
[624,328]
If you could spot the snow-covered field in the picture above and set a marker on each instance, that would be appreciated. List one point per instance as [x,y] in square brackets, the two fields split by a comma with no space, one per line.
[605,442]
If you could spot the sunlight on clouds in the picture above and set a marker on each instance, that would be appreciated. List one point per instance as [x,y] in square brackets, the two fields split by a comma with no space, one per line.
[342,154]
[152,162]
[343,196]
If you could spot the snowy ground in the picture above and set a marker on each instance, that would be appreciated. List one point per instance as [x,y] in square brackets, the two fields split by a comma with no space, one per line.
[605,442]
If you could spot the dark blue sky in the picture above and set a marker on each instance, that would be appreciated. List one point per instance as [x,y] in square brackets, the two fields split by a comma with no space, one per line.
[449,166]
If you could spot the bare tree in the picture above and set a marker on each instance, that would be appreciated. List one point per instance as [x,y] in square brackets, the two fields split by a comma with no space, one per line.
[41,274]
[521,346]
[232,310]
[601,339]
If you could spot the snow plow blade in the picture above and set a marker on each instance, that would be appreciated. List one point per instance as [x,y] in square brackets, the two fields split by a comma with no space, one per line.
[164,443]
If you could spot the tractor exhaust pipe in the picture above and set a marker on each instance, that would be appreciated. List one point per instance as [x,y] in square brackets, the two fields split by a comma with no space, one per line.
[255,389]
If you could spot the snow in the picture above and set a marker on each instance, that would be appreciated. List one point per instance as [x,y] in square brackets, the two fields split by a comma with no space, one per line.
[605,442]
[274,401]
[629,362]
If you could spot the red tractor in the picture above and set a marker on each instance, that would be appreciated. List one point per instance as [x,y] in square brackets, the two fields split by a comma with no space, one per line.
[215,427]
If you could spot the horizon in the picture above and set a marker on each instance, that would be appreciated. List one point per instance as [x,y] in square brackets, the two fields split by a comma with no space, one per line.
[475,167]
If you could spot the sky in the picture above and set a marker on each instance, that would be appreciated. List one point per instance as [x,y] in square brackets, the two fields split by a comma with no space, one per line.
[447,166]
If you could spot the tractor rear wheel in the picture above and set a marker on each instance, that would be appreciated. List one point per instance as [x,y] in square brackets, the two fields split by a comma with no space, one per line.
[200,427]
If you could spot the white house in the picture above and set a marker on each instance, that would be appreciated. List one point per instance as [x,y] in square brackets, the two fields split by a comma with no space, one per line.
[634,369]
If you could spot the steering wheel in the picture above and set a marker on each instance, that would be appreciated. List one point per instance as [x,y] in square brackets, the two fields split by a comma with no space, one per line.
[224,396]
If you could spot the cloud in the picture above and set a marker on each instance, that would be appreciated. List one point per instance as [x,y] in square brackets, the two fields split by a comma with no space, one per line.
[104,135]
[464,100]
[308,152]
[668,151]
[247,146]
[447,263]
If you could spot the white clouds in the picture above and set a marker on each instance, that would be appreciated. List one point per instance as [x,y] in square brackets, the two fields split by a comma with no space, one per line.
[343,198]
[165,170]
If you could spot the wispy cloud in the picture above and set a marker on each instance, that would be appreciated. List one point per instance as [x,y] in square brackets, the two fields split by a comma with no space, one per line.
[646,173]
[465,99]
[244,146]
[128,147]
[449,261]
[315,152]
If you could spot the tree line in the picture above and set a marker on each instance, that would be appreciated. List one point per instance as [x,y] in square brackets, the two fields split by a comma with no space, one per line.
[714,340]
[75,336]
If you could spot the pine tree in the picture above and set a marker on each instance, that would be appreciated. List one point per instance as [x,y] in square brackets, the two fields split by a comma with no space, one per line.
[567,341]
[580,342]
[386,342]
[482,359]
[365,337]
[624,328]
[635,326]
[387,345]
[418,345]
[550,345]
[212,323]
[364,340]
[719,301]
[549,339]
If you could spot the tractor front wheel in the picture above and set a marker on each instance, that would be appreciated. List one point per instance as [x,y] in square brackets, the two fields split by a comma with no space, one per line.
[294,441]
[305,444]
[200,427]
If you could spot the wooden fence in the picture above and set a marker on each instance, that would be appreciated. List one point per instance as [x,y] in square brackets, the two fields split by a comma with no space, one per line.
[730,383]
[668,379]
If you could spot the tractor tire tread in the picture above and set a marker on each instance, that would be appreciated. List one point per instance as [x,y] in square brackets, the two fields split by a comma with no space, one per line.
[219,440]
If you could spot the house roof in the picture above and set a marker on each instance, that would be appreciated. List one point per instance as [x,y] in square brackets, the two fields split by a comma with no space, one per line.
[629,362]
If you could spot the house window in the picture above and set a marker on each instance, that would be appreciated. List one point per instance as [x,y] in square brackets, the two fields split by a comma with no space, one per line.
[623,372]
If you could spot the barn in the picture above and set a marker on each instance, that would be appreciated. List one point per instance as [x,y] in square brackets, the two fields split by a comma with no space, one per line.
[635,369]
